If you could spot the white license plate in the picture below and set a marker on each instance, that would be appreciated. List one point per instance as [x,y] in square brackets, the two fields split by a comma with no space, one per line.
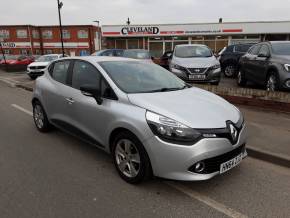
[197,76]
[232,163]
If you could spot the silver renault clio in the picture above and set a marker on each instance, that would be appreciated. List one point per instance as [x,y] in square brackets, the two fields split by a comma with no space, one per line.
[151,122]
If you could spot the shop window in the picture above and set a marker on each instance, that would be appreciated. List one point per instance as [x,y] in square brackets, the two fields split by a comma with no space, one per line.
[37,52]
[35,34]
[238,36]
[198,38]
[21,34]
[82,34]
[181,38]
[84,53]
[156,49]
[66,34]
[253,37]
[276,37]
[48,51]
[121,44]
[47,34]
[133,43]
[23,52]
[6,51]
[4,34]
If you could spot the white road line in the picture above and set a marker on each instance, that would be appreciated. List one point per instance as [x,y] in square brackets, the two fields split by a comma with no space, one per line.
[22,109]
[208,201]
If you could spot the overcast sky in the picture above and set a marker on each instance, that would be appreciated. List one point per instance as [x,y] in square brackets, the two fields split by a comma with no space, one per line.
[44,12]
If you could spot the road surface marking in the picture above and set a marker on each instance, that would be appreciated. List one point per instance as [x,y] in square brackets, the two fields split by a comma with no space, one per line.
[206,200]
[22,109]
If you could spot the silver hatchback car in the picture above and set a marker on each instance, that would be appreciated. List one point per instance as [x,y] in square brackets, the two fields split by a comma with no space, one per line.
[151,122]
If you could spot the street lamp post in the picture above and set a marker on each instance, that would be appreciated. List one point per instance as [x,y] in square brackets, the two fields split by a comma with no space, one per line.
[99,34]
[59,6]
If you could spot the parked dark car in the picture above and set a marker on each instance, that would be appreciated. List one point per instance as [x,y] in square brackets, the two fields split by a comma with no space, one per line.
[268,64]
[165,58]
[109,52]
[230,57]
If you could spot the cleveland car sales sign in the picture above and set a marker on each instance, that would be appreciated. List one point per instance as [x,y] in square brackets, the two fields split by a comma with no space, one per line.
[197,29]
[140,30]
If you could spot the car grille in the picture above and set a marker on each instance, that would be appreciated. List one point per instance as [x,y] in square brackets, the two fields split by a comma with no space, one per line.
[213,164]
[37,67]
[197,70]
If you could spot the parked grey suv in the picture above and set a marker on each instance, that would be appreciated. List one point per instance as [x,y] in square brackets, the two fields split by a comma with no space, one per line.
[267,64]
[148,119]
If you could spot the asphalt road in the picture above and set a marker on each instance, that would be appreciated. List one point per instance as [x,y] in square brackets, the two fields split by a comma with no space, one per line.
[56,175]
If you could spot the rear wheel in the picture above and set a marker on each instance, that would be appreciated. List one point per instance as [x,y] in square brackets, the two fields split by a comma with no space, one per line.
[272,83]
[130,158]
[230,70]
[241,80]
[40,118]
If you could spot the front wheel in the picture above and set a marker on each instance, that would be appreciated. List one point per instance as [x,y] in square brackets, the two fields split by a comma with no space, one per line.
[272,83]
[241,80]
[130,158]
[230,70]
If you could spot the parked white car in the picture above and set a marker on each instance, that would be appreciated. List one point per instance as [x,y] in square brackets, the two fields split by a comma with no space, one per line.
[37,68]
[195,63]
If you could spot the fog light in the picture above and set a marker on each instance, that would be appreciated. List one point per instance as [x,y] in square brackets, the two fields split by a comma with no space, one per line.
[199,167]
[287,83]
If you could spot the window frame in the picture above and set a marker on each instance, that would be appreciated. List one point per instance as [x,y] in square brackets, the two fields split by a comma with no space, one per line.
[252,48]
[102,78]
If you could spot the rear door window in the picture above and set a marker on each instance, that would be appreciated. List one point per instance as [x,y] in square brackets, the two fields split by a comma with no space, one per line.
[60,71]
[255,50]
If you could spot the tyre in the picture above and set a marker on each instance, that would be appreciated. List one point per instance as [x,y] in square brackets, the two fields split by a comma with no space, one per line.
[32,77]
[40,118]
[230,70]
[130,158]
[241,80]
[272,84]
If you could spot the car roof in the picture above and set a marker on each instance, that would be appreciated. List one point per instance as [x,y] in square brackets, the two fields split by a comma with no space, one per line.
[100,58]
[277,42]
[47,55]
[191,45]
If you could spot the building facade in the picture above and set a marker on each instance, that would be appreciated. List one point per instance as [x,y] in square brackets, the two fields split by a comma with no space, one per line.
[160,38]
[38,40]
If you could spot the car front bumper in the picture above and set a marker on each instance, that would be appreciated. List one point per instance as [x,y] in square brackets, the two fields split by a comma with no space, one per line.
[172,161]
[210,76]
[35,72]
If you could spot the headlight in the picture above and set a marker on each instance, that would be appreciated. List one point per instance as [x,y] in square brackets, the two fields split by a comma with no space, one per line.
[214,67]
[170,130]
[177,67]
[287,67]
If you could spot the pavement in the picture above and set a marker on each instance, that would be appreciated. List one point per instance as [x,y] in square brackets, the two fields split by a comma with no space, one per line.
[56,175]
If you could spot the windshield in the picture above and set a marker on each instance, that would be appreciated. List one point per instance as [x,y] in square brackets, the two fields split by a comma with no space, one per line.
[192,51]
[281,48]
[139,77]
[46,58]
[137,54]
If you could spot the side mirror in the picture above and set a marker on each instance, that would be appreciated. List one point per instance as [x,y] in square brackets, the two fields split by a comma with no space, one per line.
[92,91]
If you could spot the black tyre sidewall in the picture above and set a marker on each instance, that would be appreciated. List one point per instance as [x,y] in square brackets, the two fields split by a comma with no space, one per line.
[145,171]
[46,125]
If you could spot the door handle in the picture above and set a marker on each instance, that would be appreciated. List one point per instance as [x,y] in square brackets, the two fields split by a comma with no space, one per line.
[70,100]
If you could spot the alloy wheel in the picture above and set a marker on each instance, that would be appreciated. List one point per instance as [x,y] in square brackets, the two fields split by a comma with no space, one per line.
[127,158]
[230,70]
[38,116]
[271,83]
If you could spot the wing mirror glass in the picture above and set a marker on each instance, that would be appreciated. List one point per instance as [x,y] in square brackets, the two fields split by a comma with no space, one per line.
[92,91]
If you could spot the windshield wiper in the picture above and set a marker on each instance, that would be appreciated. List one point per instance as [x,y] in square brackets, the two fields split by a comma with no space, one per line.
[168,89]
